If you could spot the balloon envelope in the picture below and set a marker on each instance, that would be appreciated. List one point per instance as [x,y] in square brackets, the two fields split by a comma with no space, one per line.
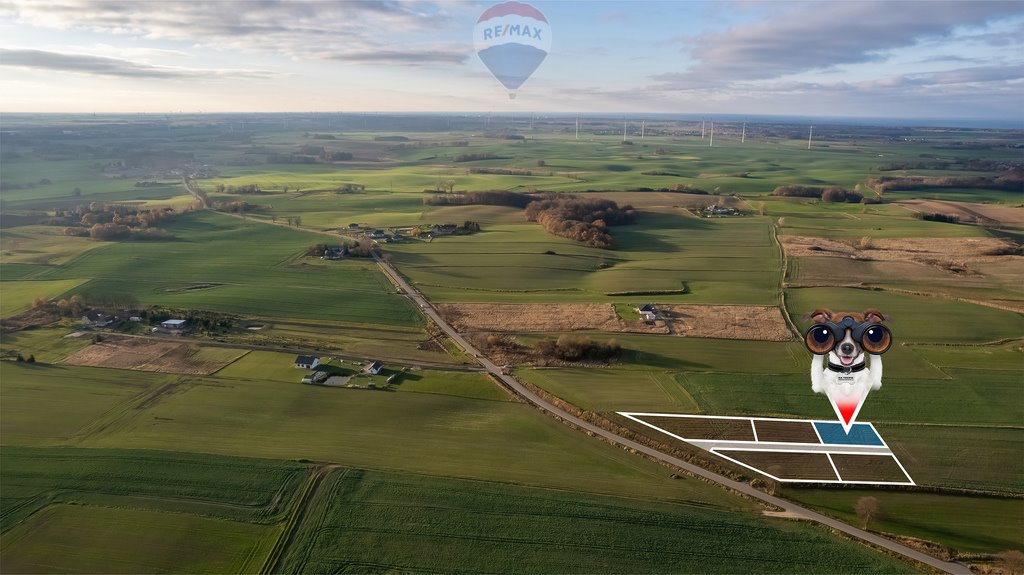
[512,39]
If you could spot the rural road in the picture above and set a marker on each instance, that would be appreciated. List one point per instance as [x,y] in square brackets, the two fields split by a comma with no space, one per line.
[536,400]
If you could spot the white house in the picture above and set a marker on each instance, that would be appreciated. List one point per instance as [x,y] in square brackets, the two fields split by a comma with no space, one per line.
[374,368]
[173,324]
[306,362]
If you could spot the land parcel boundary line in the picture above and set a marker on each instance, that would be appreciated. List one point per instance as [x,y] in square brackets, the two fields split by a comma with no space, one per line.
[788,454]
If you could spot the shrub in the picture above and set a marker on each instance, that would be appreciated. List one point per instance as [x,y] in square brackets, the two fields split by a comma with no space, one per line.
[570,347]
[833,194]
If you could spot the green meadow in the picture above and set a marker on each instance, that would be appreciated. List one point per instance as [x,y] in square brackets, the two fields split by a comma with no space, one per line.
[229,265]
[404,523]
[964,523]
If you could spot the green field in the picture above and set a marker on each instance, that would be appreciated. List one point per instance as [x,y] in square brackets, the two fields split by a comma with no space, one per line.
[369,521]
[19,295]
[915,319]
[102,511]
[107,540]
[719,261]
[226,264]
[964,523]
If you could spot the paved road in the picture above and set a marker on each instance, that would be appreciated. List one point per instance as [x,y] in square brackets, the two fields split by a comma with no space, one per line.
[744,488]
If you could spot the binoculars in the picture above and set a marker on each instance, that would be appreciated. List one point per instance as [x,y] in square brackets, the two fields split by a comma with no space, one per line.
[822,338]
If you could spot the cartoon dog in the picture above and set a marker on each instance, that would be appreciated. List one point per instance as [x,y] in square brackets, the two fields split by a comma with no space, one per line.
[842,339]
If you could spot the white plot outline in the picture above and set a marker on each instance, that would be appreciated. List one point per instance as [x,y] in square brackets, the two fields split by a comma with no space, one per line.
[830,448]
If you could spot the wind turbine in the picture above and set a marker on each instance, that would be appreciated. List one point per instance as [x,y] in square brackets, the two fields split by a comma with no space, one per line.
[809,134]
[702,129]
[711,144]
[743,135]
[643,123]
[623,130]
[577,126]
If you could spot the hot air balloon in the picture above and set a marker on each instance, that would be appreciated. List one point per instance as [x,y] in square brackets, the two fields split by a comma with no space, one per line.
[512,39]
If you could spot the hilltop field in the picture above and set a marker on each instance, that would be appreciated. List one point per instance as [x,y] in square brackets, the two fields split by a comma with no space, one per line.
[130,446]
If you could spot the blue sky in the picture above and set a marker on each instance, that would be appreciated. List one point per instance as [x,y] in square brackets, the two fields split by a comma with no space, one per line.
[870,59]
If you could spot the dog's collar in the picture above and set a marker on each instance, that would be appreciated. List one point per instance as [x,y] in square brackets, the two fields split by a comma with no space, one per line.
[847,369]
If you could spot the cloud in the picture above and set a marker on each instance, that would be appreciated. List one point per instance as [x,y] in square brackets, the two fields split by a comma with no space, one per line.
[104,66]
[818,36]
[358,31]
[412,57]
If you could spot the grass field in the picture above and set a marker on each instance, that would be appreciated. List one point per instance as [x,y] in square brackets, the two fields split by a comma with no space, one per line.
[215,264]
[42,246]
[617,389]
[402,523]
[982,458]
[422,432]
[103,511]
[89,539]
[964,523]
[915,318]
[18,295]
[720,261]
[52,405]
[49,345]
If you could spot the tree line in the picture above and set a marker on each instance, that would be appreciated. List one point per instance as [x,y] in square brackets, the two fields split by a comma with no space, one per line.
[826,193]
[1011,181]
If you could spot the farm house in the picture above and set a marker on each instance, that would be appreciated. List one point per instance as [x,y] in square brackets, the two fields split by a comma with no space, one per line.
[173,324]
[306,362]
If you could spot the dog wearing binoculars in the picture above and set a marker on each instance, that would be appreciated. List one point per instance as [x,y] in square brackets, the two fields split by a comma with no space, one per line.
[839,342]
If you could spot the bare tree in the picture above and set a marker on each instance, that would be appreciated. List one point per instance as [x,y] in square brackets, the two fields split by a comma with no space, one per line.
[867,508]
[1012,562]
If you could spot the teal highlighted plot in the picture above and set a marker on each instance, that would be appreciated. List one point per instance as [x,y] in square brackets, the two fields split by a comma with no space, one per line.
[860,434]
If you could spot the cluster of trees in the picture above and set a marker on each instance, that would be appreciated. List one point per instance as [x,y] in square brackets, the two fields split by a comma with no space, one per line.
[390,139]
[582,220]
[238,207]
[360,249]
[936,217]
[826,193]
[349,188]
[1011,181]
[570,347]
[115,221]
[475,157]
[660,173]
[73,306]
[199,320]
[335,156]
[243,189]
[486,198]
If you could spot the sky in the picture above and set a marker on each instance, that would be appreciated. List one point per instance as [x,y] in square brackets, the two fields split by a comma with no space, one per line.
[922,59]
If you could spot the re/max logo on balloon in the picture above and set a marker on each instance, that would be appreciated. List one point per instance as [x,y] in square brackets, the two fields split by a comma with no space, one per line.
[512,30]
[512,39]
